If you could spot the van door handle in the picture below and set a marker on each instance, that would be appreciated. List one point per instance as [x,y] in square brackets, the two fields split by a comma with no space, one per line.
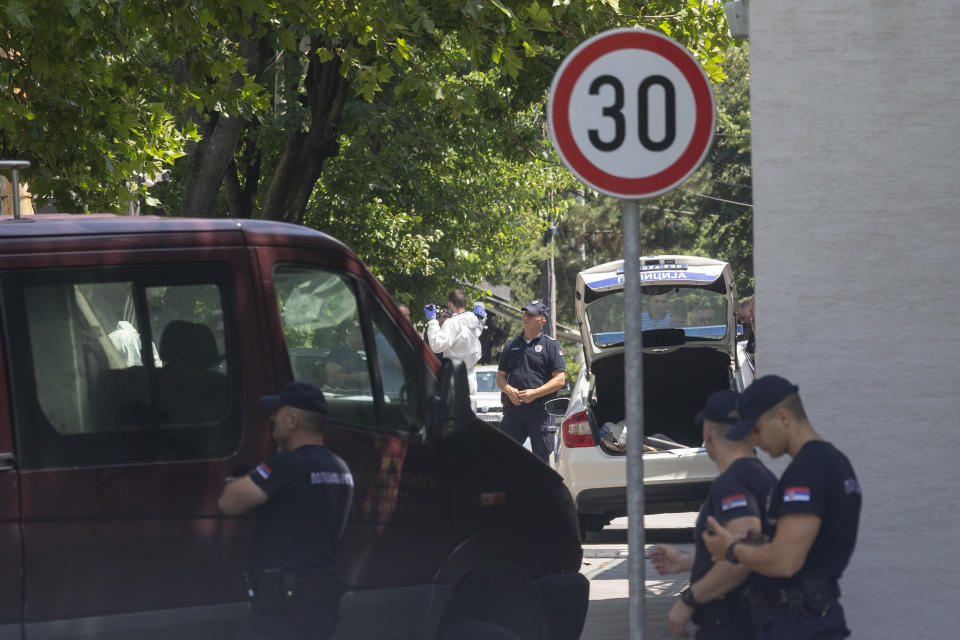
[7,462]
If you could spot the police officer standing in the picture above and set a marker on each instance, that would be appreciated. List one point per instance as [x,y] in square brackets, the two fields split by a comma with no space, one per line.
[302,495]
[813,517]
[530,371]
[737,499]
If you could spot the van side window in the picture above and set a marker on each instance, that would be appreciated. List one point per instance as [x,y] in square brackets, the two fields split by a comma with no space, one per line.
[119,365]
[398,366]
[324,338]
[366,369]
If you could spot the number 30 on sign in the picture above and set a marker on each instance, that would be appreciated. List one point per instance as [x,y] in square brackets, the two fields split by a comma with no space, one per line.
[631,113]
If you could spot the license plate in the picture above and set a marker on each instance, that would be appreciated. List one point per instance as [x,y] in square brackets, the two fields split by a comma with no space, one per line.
[490,417]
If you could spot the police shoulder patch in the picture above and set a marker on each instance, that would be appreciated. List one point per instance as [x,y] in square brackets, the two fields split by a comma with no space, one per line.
[733,502]
[796,494]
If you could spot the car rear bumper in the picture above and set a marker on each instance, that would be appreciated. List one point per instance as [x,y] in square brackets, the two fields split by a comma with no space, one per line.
[673,481]
[664,498]
[493,419]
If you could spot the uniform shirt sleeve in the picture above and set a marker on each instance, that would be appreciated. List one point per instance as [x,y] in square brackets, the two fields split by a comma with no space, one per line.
[275,474]
[731,497]
[556,359]
[503,364]
[804,489]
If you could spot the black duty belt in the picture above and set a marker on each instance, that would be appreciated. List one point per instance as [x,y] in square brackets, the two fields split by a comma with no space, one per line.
[802,597]
[806,595]
[509,406]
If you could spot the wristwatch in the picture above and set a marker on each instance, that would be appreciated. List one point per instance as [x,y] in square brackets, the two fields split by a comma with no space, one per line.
[686,597]
[731,556]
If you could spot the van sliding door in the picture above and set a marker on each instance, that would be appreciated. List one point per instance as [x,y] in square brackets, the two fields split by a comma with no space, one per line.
[125,397]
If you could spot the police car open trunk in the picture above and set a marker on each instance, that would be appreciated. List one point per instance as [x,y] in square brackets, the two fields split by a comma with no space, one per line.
[689,345]
[675,387]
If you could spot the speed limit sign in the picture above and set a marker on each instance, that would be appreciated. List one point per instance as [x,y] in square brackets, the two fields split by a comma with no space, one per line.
[631,113]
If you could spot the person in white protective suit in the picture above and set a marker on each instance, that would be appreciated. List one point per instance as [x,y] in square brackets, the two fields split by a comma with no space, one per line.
[459,337]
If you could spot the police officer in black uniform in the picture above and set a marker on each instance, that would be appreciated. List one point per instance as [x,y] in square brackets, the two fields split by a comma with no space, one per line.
[302,495]
[530,371]
[738,498]
[812,519]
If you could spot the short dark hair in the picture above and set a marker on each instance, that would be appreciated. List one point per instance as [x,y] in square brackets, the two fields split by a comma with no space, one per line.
[458,299]
[792,404]
[719,428]
[312,421]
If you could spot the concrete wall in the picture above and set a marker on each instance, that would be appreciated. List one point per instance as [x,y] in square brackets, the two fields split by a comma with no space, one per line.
[856,143]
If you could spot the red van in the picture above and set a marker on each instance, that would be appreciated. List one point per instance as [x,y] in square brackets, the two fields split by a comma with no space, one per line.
[134,350]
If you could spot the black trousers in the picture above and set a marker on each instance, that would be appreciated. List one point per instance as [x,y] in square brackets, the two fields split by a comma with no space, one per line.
[525,421]
[832,626]
[740,630]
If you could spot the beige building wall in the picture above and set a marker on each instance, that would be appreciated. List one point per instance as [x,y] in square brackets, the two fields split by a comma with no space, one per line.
[856,152]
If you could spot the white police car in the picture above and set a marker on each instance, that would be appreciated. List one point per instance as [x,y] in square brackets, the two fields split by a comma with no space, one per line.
[690,350]
[486,400]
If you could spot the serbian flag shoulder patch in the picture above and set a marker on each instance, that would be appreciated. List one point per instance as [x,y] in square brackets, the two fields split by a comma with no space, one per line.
[263,470]
[796,494]
[733,502]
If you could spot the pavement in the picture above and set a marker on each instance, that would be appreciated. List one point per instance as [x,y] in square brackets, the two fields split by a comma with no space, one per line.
[605,561]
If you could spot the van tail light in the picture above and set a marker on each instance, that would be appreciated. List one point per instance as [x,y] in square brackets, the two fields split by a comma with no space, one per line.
[576,431]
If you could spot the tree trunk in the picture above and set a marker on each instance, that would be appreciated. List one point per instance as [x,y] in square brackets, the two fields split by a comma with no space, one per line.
[209,161]
[242,198]
[213,155]
[301,162]
[237,203]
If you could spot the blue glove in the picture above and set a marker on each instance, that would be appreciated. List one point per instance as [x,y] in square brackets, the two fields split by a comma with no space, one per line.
[431,311]
[479,311]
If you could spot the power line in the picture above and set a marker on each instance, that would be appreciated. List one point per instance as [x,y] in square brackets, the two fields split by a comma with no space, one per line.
[723,182]
[703,195]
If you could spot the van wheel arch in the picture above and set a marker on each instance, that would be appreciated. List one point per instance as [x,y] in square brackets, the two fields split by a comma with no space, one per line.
[494,603]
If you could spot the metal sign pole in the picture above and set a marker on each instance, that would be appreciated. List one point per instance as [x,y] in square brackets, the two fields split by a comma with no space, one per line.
[594,141]
[633,387]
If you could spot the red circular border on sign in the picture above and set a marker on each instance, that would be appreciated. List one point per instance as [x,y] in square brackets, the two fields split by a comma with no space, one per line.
[702,132]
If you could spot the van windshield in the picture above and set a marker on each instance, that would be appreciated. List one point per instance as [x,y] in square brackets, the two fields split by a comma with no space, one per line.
[700,313]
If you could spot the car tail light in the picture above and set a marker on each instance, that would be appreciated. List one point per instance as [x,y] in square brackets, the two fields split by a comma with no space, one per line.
[576,430]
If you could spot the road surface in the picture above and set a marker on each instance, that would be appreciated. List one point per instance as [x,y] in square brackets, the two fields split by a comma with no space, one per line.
[605,564]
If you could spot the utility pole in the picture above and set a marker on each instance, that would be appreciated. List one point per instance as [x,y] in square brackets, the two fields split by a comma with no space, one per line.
[549,288]
[549,279]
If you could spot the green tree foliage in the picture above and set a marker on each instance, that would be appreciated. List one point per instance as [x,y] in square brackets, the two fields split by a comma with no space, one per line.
[80,101]
[427,201]
[405,127]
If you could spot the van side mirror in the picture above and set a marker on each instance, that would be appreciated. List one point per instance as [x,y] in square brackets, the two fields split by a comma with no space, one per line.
[557,406]
[450,403]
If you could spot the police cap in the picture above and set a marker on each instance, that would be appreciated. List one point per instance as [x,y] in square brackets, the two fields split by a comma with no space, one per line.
[299,395]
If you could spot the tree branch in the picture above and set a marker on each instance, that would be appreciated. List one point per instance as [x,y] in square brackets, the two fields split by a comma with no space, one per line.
[304,153]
